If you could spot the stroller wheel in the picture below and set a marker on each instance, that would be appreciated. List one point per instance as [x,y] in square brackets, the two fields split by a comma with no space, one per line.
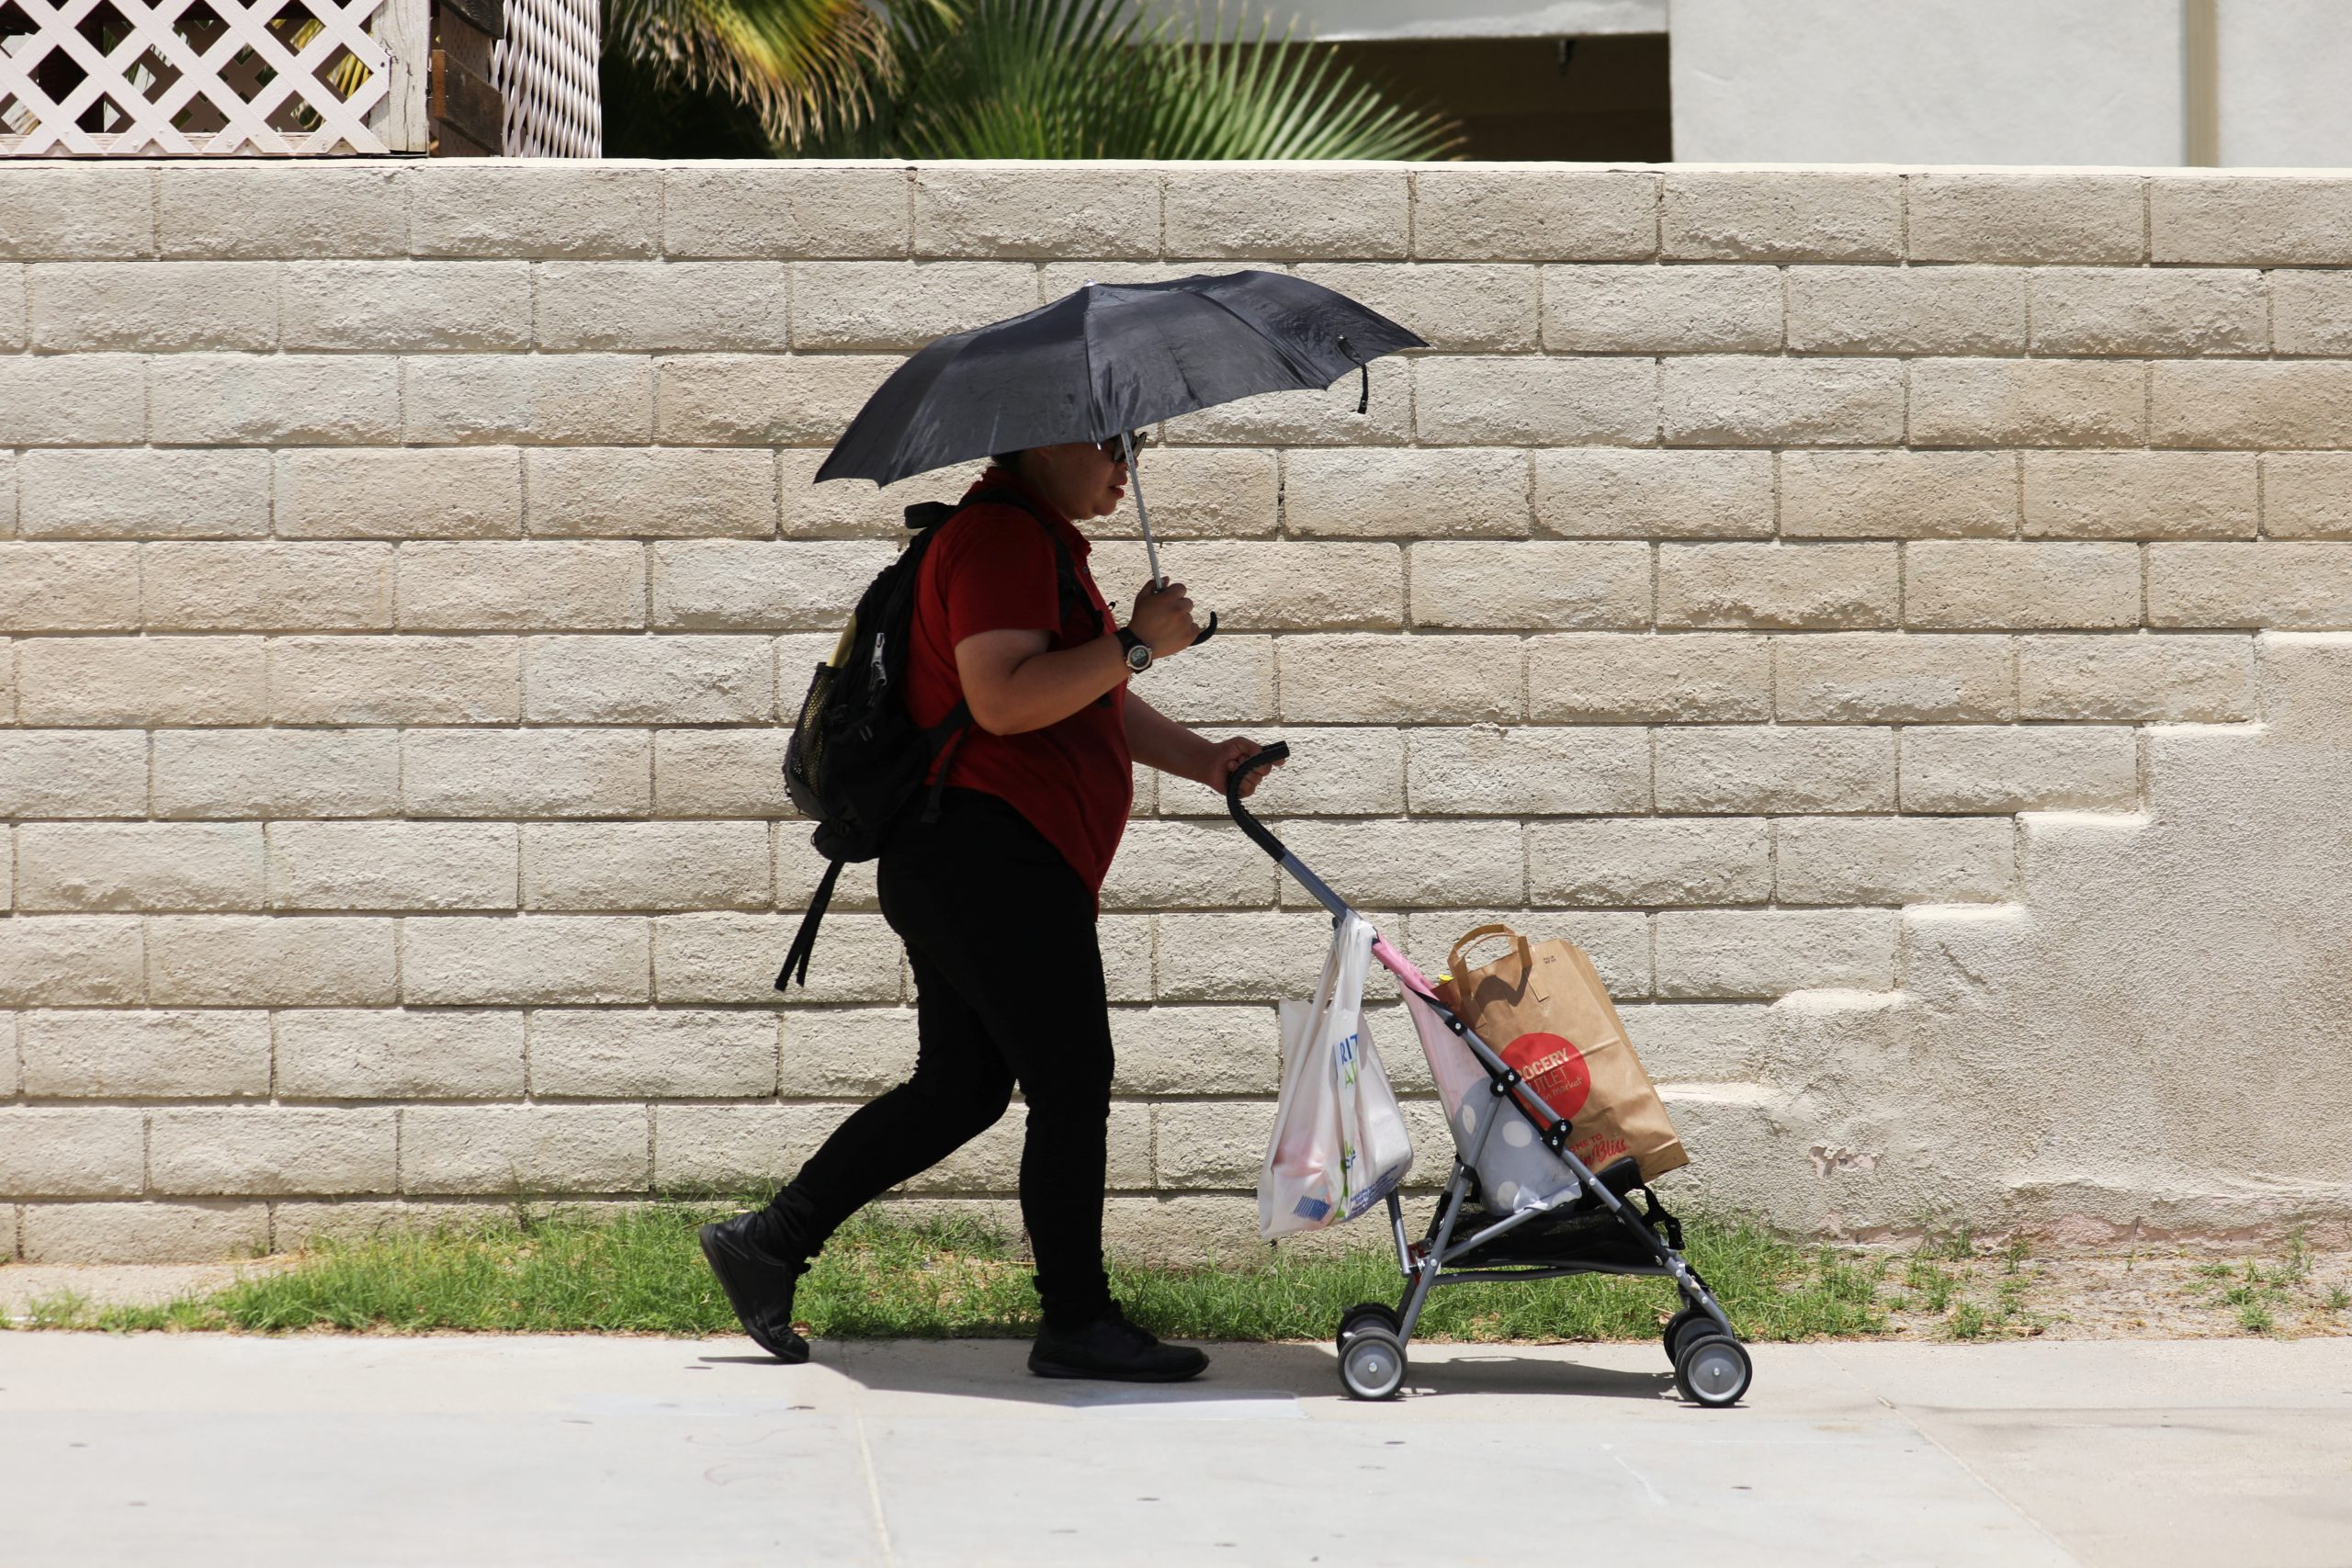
[1712,1370]
[1363,1313]
[1683,1324]
[1372,1363]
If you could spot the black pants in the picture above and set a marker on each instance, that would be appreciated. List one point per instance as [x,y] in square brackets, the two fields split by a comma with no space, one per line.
[1007,989]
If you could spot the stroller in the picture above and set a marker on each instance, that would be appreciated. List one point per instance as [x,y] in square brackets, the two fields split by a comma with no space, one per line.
[1559,1217]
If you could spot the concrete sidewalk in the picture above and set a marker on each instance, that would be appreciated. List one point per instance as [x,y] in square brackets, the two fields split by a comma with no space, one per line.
[325,1451]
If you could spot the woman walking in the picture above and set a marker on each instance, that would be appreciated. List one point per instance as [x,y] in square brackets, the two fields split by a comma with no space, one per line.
[996,900]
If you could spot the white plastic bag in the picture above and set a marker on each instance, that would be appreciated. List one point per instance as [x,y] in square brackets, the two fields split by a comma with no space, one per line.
[1340,1145]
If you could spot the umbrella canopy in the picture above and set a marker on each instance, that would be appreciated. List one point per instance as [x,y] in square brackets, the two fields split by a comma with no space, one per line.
[1109,358]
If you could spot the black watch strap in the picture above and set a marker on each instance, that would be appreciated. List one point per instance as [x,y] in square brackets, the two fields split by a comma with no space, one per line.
[1128,643]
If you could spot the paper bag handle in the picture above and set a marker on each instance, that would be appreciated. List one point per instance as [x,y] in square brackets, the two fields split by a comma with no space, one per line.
[1472,938]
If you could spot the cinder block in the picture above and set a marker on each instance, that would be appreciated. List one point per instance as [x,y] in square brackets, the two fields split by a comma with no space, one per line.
[1304,211]
[144,1233]
[1661,309]
[1905,310]
[893,307]
[674,680]
[466,208]
[2141,495]
[1811,214]
[405,680]
[1834,586]
[727,957]
[262,400]
[646,865]
[1416,865]
[526,1148]
[145,494]
[1771,953]
[1730,400]
[71,1152]
[2238,219]
[651,307]
[2013,768]
[1883,677]
[2026,402]
[1458,309]
[1598,677]
[1485,771]
[399,1054]
[90,866]
[113,1054]
[1129,945]
[400,493]
[241,774]
[272,1150]
[2300,587]
[2307,495]
[2180,679]
[534,960]
[2149,311]
[740,585]
[1195,492]
[68,588]
[1898,495]
[635,492]
[73,400]
[1248,956]
[525,772]
[2311,312]
[1775,768]
[1311,418]
[1211,1145]
[1423,679]
[140,681]
[268,208]
[994,210]
[721,400]
[73,773]
[789,209]
[1653,861]
[600,1054]
[743,1148]
[1230,680]
[77,212]
[848,1053]
[2019,218]
[269,961]
[1894,859]
[1186,866]
[563,400]
[1403,493]
[1527,401]
[2250,402]
[1635,494]
[404,307]
[799,868]
[851,509]
[392,866]
[719,773]
[2000,584]
[158,307]
[1523,214]
[1701,1042]
[12,328]
[1193,1051]
[1478,586]
[1350,771]
[257,587]
[584,585]
[1268,586]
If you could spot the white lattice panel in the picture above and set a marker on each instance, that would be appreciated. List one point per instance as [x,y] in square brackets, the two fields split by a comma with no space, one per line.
[546,69]
[181,77]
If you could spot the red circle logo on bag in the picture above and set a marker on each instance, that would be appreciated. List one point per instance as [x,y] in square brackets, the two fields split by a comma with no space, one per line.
[1554,1068]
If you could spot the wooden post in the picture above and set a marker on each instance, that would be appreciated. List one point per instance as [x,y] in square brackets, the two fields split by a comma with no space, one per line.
[469,114]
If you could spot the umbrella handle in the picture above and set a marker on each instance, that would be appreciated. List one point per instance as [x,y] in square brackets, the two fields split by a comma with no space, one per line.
[1206,632]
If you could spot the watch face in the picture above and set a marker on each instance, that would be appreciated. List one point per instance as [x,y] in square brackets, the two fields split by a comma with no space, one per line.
[1138,658]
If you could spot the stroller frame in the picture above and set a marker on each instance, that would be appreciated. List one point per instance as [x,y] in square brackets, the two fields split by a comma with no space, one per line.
[1711,1367]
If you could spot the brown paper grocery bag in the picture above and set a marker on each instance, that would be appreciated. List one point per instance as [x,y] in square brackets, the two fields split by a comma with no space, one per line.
[1541,1009]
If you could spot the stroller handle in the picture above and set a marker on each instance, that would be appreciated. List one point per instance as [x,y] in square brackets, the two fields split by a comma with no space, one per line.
[1259,833]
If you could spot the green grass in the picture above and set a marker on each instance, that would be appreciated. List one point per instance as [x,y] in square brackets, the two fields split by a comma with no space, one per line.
[640,1271]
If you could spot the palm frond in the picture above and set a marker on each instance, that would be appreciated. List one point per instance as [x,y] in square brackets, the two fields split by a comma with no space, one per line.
[802,67]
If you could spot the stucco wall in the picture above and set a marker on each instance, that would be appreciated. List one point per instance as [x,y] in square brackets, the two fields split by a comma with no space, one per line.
[1896,622]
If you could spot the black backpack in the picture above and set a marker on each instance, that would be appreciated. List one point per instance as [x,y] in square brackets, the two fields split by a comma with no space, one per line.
[857,758]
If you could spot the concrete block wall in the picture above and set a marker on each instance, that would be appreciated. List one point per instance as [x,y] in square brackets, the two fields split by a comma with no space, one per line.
[406,572]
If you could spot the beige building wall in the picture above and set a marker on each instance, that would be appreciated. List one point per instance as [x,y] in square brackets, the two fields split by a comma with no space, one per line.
[1900,623]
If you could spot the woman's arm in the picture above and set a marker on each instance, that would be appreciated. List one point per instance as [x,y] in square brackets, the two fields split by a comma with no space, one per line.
[1013,685]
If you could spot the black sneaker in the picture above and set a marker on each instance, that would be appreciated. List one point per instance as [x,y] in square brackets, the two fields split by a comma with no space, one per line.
[758,1286]
[1115,1349]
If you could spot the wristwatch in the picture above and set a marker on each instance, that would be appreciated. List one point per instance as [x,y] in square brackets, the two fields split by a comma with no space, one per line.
[1137,651]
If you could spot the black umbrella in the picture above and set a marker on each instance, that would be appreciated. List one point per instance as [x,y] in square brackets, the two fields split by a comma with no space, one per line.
[1106,360]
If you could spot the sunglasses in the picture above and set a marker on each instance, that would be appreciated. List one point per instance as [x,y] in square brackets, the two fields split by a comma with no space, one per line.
[1116,449]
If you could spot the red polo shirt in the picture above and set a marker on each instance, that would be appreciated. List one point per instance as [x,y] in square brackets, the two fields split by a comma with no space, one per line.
[990,569]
